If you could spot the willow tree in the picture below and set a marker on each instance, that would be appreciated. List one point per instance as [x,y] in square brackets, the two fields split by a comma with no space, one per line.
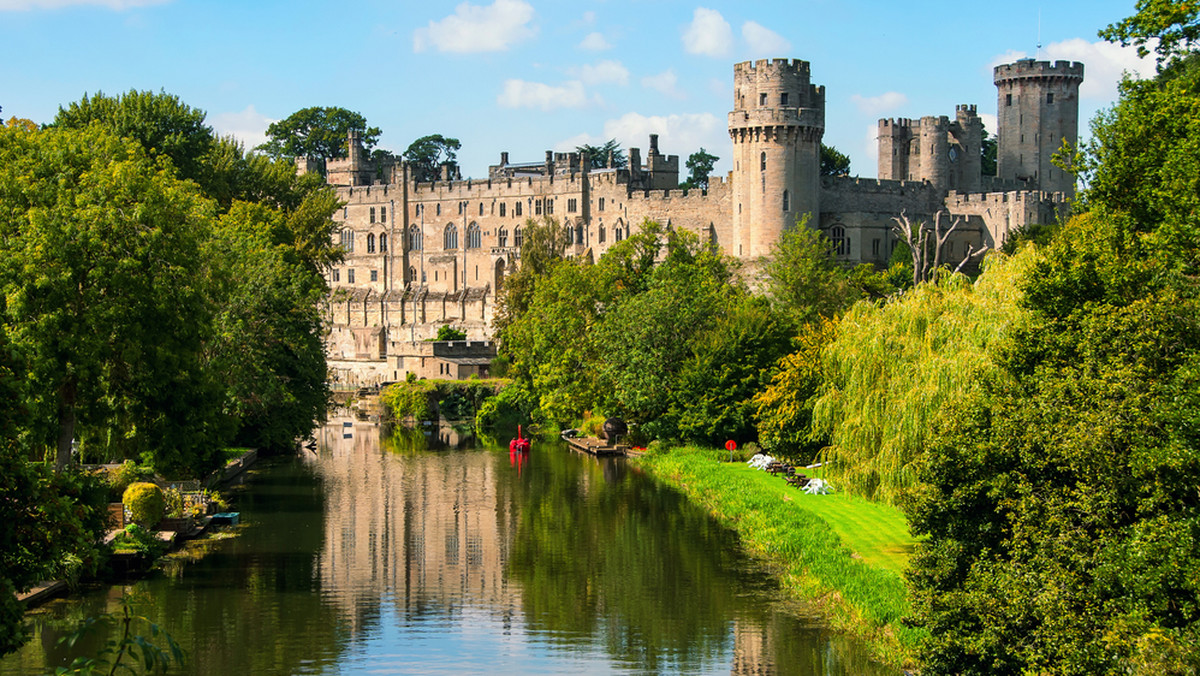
[891,370]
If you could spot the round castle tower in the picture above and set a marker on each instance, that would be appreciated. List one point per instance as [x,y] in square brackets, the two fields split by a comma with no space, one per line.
[776,125]
[1037,108]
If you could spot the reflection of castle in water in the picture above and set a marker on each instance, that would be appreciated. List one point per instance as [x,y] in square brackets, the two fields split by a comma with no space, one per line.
[414,528]
[430,536]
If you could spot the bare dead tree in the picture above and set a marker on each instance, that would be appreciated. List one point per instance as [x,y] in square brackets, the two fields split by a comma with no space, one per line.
[926,243]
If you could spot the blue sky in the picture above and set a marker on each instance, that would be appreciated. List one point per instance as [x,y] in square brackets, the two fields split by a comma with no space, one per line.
[525,76]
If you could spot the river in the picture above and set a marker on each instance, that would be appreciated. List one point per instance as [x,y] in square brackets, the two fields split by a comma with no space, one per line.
[412,552]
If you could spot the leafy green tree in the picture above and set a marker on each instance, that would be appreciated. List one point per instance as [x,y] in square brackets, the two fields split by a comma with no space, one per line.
[1170,25]
[427,155]
[987,154]
[834,163]
[804,279]
[448,332]
[893,370]
[543,245]
[596,157]
[161,123]
[700,165]
[106,298]
[784,407]
[317,132]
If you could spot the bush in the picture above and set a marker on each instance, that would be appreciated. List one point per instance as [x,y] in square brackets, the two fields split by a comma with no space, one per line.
[137,539]
[119,478]
[145,502]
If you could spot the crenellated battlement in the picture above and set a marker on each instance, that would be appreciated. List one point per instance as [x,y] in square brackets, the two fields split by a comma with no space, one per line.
[1028,68]
[956,200]
[764,68]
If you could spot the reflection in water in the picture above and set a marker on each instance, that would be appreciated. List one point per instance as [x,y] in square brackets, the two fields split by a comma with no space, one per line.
[377,555]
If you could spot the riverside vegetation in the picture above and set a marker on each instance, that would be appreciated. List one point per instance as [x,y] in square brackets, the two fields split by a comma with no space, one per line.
[160,296]
[1036,426]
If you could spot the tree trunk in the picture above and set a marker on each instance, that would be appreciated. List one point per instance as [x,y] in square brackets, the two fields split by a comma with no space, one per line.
[66,425]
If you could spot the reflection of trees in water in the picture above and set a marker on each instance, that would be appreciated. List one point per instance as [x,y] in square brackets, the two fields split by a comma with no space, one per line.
[440,435]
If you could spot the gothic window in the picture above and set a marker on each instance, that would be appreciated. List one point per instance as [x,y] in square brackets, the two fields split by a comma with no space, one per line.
[348,240]
[762,162]
[382,243]
[414,238]
[570,235]
[502,237]
[517,237]
[618,232]
[450,237]
[474,236]
[481,208]
[841,243]
[412,274]
[370,242]
[601,208]
[372,214]
[787,204]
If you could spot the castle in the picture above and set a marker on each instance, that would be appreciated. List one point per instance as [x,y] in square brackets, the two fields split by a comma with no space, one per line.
[423,255]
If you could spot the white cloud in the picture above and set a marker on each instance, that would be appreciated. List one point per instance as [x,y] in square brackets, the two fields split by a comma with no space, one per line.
[595,42]
[989,123]
[679,135]
[476,28]
[604,72]
[119,5]
[589,17]
[522,94]
[665,83]
[874,105]
[1104,63]
[871,150]
[248,126]
[708,34]
[763,41]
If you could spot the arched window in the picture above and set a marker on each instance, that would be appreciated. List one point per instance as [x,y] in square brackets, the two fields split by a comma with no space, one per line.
[412,275]
[370,242]
[450,237]
[618,232]
[474,236]
[517,237]
[841,243]
[600,233]
[787,203]
[414,238]
[762,161]
[570,232]
[579,233]
[502,237]
[382,243]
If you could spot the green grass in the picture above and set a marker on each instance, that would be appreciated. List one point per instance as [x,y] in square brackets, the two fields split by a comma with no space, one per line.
[232,453]
[842,553]
[876,532]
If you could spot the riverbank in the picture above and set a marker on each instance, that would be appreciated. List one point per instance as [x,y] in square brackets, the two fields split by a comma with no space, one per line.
[843,554]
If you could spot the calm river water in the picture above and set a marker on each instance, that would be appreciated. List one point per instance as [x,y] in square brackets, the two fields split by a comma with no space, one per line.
[412,554]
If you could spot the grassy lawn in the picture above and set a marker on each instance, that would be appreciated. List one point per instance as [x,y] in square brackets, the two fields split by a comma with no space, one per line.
[228,454]
[875,532]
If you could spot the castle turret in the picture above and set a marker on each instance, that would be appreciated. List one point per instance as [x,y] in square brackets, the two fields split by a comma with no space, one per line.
[1037,109]
[776,125]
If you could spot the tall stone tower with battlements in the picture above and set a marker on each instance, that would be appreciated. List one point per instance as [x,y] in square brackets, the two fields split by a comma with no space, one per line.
[776,125]
[1037,109]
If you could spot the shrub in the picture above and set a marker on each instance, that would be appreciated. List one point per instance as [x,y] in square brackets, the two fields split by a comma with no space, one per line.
[120,477]
[145,502]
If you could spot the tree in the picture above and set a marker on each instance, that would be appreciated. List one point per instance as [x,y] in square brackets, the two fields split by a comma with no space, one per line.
[700,165]
[317,132]
[927,241]
[427,155]
[1171,25]
[783,409]
[107,298]
[834,163]
[597,157]
[161,123]
[805,280]
[988,149]
[448,332]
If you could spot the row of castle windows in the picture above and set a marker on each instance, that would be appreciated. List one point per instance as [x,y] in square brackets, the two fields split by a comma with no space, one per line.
[540,206]
[474,238]
[1008,99]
